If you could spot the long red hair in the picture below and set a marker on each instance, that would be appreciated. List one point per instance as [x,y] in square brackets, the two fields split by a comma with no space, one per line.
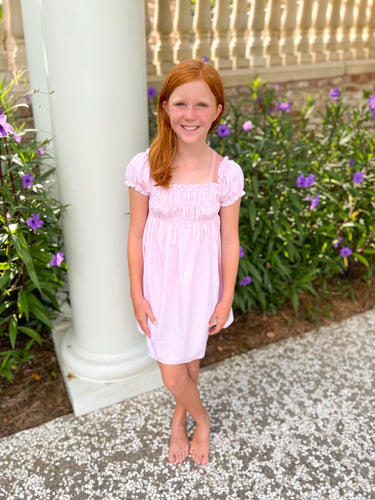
[164,146]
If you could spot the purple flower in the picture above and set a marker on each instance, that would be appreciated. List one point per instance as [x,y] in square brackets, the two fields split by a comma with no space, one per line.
[350,162]
[223,130]
[358,177]
[276,86]
[27,180]
[345,252]
[205,59]
[305,182]
[151,92]
[284,106]
[245,281]
[5,127]
[17,137]
[334,94]
[371,101]
[34,222]
[26,97]
[40,151]
[242,253]
[57,259]
[337,241]
[247,125]
[315,202]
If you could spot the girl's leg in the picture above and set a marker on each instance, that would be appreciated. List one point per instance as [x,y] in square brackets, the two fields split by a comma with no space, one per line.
[179,445]
[176,378]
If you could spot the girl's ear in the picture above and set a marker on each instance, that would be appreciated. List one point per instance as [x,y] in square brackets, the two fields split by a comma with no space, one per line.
[166,107]
[219,108]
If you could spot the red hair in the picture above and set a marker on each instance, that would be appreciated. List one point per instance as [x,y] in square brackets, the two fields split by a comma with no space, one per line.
[164,146]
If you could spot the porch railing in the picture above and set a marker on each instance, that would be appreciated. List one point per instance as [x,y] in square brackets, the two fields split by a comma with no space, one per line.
[278,39]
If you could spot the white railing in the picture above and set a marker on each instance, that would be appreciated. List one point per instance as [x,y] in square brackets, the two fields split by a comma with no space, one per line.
[279,40]
[282,39]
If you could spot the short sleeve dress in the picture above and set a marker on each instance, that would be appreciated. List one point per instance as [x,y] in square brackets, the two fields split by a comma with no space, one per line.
[182,257]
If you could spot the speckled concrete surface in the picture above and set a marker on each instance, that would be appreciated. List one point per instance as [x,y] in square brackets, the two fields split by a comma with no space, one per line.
[294,420]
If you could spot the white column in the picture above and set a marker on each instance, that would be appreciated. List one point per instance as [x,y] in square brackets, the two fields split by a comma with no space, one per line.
[96,68]
[36,67]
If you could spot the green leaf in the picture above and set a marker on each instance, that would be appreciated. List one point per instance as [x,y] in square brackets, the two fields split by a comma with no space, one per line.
[13,327]
[23,303]
[31,333]
[361,258]
[38,310]
[4,279]
[294,298]
[23,252]
[252,214]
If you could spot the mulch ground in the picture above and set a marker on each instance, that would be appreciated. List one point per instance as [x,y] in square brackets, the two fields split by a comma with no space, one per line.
[38,394]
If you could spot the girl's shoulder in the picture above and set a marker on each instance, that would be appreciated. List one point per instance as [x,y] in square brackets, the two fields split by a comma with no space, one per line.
[229,170]
[137,173]
[231,181]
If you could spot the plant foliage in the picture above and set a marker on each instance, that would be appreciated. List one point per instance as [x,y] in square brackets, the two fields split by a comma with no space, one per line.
[308,212]
[31,261]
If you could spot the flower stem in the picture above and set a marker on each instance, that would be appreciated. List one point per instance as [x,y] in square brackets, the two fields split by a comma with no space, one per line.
[2,189]
[10,173]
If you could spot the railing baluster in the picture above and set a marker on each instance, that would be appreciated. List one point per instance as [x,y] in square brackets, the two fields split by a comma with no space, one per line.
[288,27]
[318,28]
[163,54]
[202,29]
[9,42]
[151,70]
[304,25]
[237,47]
[370,42]
[334,22]
[182,27]
[347,25]
[254,48]
[220,46]
[359,25]
[271,42]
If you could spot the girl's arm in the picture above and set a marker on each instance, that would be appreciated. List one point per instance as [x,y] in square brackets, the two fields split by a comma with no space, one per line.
[138,214]
[230,254]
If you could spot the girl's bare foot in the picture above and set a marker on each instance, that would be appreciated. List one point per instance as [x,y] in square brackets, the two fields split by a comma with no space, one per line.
[200,444]
[179,445]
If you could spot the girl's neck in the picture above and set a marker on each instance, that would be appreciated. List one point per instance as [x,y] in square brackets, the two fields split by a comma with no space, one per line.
[192,153]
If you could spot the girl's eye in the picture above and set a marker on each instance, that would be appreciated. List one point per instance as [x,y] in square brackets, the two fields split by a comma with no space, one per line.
[180,104]
[202,105]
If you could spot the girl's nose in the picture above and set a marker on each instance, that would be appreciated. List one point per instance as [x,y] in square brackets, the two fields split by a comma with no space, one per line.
[189,113]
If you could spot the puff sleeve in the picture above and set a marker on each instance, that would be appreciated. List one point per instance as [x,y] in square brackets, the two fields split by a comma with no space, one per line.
[231,182]
[137,174]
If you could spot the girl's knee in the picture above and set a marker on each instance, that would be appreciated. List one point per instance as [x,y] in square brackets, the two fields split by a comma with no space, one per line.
[173,380]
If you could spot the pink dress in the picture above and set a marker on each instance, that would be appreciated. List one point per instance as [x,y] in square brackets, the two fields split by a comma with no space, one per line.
[182,257]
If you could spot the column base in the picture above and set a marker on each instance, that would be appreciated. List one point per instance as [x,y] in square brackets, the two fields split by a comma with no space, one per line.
[87,394]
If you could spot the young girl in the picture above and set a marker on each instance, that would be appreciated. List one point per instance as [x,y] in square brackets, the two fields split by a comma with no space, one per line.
[183,245]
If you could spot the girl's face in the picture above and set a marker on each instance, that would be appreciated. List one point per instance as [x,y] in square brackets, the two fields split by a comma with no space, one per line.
[192,108]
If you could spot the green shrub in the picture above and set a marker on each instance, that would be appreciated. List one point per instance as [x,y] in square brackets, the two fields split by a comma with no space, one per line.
[291,235]
[31,261]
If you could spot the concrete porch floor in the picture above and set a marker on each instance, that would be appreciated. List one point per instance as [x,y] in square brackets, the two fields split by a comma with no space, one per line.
[293,420]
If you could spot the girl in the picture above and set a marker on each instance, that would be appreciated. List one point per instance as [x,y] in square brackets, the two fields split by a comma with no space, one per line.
[183,245]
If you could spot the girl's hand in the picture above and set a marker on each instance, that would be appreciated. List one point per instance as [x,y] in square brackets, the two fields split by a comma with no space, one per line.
[219,317]
[142,310]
